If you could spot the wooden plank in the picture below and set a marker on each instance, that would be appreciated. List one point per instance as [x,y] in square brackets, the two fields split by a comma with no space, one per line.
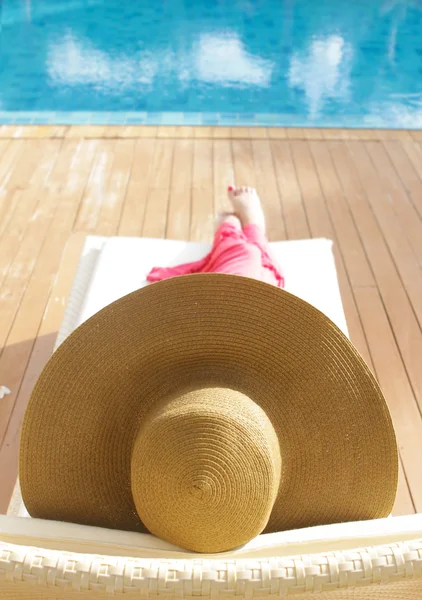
[163,164]
[367,134]
[296,223]
[147,131]
[320,226]
[90,206]
[416,135]
[24,132]
[8,162]
[15,334]
[186,131]
[414,152]
[4,146]
[266,184]
[243,163]
[277,133]
[25,202]
[203,165]
[24,165]
[16,179]
[332,134]
[402,134]
[354,257]
[395,385]
[223,174]
[381,134]
[349,134]
[223,133]
[6,131]
[179,211]
[313,133]
[33,132]
[397,198]
[380,200]
[129,131]
[406,171]
[22,253]
[133,213]
[202,219]
[52,231]
[41,352]
[295,133]
[138,131]
[27,211]
[114,196]
[60,131]
[113,132]
[11,131]
[203,132]
[86,131]
[166,132]
[155,221]
[354,323]
[313,199]
[403,504]
[394,134]
[50,131]
[242,133]
[352,134]
[393,293]
[259,133]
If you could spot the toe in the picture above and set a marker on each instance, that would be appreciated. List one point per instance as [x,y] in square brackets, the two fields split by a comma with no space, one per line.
[231,191]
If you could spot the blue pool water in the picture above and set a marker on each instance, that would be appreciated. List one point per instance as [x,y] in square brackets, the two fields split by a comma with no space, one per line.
[355,63]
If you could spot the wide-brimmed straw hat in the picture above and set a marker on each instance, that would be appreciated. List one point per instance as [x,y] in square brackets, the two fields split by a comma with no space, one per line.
[207,409]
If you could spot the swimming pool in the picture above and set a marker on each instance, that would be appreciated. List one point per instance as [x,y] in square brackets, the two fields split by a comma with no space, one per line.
[229,62]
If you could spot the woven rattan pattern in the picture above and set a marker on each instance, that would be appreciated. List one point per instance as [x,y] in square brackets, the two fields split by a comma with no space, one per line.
[388,572]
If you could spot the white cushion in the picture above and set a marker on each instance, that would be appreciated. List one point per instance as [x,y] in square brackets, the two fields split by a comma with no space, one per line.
[113,267]
[83,539]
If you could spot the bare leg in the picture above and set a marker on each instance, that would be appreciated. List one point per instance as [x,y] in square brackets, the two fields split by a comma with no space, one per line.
[247,206]
[229,218]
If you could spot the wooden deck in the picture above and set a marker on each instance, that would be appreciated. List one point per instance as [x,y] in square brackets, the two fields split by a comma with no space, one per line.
[363,189]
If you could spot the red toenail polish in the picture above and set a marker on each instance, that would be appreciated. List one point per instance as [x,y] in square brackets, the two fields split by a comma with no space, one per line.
[230,188]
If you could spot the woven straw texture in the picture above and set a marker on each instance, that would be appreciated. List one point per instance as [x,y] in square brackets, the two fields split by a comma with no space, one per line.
[337,445]
[380,573]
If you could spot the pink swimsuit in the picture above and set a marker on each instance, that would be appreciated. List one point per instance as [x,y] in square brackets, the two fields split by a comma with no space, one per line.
[234,251]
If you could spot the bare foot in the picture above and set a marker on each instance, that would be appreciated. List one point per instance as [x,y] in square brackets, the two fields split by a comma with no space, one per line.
[247,206]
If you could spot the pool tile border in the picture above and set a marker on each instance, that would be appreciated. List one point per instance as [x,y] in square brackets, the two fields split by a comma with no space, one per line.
[202,132]
[228,119]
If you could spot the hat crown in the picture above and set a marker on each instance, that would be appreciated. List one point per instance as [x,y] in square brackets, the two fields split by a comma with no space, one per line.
[206,470]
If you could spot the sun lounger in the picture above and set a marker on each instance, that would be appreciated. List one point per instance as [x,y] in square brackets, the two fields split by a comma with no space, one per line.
[379,559]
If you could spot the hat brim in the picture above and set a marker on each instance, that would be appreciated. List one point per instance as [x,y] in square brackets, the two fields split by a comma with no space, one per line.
[338,448]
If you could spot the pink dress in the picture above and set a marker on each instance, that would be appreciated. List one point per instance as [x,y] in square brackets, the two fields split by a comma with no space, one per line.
[235,251]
